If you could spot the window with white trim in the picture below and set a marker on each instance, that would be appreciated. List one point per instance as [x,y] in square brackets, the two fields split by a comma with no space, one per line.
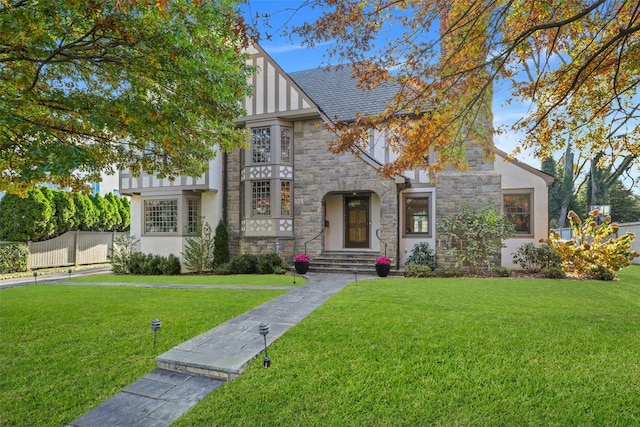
[417,218]
[285,145]
[517,207]
[161,216]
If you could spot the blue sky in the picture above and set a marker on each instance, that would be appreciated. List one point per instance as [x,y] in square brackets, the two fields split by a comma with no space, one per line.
[291,56]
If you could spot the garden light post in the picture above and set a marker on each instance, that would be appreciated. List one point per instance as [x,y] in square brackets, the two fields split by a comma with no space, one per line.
[264,330]
[155,325]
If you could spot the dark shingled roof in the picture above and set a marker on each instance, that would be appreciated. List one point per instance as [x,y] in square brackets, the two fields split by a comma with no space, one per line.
[337,96]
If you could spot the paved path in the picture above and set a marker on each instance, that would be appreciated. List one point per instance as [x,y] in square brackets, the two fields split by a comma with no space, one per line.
[49,277]
[190,371]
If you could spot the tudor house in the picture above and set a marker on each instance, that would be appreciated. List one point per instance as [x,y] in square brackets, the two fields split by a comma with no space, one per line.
[287,193]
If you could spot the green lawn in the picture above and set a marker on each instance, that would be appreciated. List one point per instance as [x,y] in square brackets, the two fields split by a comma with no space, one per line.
[239,279]
[449,352]
[381,352]
[65,349]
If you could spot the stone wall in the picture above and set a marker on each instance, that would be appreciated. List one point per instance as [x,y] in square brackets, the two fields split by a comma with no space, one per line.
[263,245]
[318,172]
[232,195]
[477,188]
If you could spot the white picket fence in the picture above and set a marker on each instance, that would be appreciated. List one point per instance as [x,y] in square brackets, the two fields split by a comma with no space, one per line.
[634,227]
[72,248]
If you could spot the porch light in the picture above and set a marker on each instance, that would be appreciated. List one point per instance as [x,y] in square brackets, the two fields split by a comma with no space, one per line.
[264,330]
[155,325]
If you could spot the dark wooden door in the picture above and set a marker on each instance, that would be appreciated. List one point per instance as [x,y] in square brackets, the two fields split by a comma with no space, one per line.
[356,222]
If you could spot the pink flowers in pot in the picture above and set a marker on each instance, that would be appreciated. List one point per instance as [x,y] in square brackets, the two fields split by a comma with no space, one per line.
[383,260]
[301,258]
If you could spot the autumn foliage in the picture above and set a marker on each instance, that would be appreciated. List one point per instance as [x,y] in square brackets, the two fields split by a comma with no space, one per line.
[592,246]
[574,62]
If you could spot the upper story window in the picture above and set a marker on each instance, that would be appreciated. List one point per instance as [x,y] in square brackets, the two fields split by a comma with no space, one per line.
[161,216]
[517,206]
[285,145]
[261,145]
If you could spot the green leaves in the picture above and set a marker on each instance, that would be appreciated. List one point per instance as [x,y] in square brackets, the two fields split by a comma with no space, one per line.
[86,85]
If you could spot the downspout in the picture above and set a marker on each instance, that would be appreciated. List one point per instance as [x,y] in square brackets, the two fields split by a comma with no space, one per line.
[398,230]
[225,173]
[401,184]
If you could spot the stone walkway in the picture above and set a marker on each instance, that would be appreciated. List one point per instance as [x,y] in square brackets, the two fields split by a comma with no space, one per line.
[190,371]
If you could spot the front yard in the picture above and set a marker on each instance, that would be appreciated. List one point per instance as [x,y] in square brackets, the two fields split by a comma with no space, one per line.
[389,351]
[65,349]
[405,352]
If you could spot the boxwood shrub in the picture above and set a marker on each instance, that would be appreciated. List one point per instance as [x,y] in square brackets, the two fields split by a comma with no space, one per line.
[14,257]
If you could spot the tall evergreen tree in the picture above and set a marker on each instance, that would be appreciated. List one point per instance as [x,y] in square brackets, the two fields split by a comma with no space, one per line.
[25,218]
[625,206]
[549,165]
[221,245]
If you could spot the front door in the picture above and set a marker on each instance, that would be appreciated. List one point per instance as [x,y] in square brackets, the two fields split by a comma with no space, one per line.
[356,222]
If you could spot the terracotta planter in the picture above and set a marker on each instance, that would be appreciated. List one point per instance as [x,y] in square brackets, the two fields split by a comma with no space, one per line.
[301,266]
[383,269]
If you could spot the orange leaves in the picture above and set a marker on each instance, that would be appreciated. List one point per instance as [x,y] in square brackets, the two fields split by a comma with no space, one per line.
[576,62]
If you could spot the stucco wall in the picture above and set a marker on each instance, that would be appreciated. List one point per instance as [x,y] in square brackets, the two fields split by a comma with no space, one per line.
[515,177]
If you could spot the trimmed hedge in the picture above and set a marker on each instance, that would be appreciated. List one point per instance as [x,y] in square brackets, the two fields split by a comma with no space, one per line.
[43,213]
[14,257]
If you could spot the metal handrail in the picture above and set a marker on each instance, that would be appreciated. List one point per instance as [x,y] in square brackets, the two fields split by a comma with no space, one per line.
[310,240]
[382,241]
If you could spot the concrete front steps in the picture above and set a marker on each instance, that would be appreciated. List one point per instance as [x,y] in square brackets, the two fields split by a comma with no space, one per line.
[360,262]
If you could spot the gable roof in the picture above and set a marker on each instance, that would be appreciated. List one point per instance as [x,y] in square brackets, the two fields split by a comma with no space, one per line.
[335,93]
[550,180]
[275,94]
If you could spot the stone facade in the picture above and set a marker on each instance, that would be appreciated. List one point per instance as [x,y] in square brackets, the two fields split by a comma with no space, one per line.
[232,201]
[477,188]
[318,172]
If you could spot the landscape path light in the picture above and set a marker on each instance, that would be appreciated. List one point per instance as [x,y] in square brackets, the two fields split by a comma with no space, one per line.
[264,330]
[155,325]
[35,277]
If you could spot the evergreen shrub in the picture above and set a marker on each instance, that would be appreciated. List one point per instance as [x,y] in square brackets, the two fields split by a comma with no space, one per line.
[14,257]
[220,245]
[271,263]
[422,254]
[417,270]
[532,259]
[244,264]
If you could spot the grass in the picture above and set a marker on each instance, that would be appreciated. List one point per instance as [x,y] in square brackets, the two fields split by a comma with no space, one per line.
[65,349]
[449,352]
[240,279]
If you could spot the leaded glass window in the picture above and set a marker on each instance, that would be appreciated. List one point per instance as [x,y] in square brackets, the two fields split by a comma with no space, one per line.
[161,216]
[261,145]
[261,198]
